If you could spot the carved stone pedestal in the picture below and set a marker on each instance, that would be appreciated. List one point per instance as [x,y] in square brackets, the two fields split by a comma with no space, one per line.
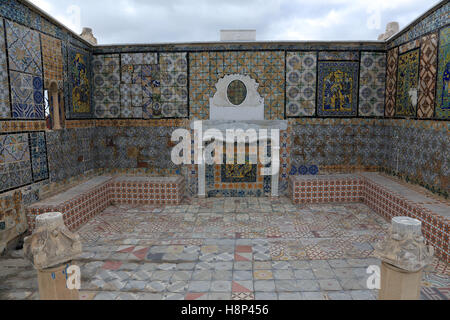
[404,255]
[50,248]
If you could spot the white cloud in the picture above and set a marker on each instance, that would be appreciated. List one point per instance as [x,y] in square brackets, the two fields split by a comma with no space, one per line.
[144,21]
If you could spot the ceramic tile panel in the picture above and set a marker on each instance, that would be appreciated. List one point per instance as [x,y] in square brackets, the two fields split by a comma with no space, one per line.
[27,96]
[38,149]
[301,83]
[443,82]
[266,67]
[427,81]
[337,88]
[24,49]
[52,60]
[80,89]
[173,90]
[407,82]
[106,85]
[15,165]
[5,108]
[372,79]
[391,81]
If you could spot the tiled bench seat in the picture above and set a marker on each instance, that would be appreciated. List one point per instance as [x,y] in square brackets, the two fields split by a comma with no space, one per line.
[82,202]
[147,190]
[78,204]
[383,195]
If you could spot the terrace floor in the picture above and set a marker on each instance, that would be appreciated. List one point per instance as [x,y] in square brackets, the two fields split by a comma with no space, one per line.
[226,248]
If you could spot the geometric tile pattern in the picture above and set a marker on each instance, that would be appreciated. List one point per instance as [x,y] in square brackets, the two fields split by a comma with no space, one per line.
[378,193]
[428,68]
[443,78]
[52,60]
[15,165]
[242,249]
[106,79]
[407,80]
[38,155]
[27,95]
[391,81]
[266,67]
[337,88]
[79,81]
[173,73]
[5,108]
[372,84]
[301,83]
[338,55]
[24,49]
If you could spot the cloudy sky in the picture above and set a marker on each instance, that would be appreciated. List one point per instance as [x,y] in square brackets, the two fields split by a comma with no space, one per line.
[153,21]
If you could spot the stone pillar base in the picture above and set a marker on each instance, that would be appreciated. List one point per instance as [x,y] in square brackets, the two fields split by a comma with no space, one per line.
[52,284]
[398,284]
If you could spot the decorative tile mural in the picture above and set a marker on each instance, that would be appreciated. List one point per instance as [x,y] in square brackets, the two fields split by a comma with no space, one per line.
[443,77]
[131,85]
[24,49]
[27,96]
[106,80]
[337,88]
[5,109]
[391,80]
[79,83]
[301,83]
[265,67]
[52,60]
[427,81]
[372,79]
[174,94]
[15,165]
[38,156]
[407,80]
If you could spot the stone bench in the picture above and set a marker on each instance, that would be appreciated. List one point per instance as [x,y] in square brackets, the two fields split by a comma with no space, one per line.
[82,202]
[385,196]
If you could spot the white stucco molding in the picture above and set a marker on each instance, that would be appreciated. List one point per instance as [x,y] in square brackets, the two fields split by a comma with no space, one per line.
[252,108]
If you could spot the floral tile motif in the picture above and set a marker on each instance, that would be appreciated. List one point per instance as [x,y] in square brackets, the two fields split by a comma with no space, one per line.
[38,156]
[427,82]
[391,80]
[52,60]
[443,78]
[27,96]
[372,84]
[338,88]
[106,75]
[301,83]
[24,49]
[407,79]
[266,67]
[5,111]
[15,166]
[79,83]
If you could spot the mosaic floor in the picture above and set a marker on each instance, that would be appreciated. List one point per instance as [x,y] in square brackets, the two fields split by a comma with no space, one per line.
[240,249]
